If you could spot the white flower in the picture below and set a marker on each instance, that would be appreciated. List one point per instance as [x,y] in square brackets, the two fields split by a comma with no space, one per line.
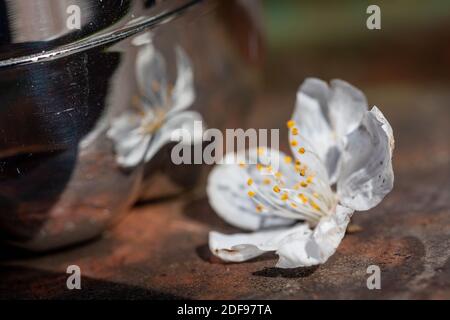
[141,131]
[342,163]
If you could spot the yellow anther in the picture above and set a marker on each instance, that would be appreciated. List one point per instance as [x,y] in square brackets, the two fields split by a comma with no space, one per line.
[293,205]
[284,196]
[287,159]
[259,208]
[309,179]
[276,189]
[290,124]
[303,198]
[259,166]
[297,162]
[315,195]
[251,194]
[267,181]
[314,205]
[250,181]
[278,175]
[294,143]
[302,172]
[294,131]
[136,104]
[296,186]
[269,168]
[242,164]
[301,150]
[303,184]
[260,151]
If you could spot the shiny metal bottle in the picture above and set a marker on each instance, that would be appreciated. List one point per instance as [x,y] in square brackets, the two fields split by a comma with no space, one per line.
[59,88]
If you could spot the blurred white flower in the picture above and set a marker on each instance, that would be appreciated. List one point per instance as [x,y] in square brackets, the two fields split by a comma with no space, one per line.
[141,131]
[342,163]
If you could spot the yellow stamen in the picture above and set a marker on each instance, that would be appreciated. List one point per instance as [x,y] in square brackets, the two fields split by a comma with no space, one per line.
[259,208]
[294,131]
[302,172]
[276,189]
[314,205]
[278,175]
[250,181]
[155,124]
[136,104]
[315,195]
[251,194]
[287,159]
[303,184]
[259,166]
[301,150]
[309,179]
[267,181]
[242,164]
[303,198]
[297,162]
[294,143]
[290,124]
[293,205]
[284,197]
[260,151]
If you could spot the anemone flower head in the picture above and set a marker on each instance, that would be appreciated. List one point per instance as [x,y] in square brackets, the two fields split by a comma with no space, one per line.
[341,162]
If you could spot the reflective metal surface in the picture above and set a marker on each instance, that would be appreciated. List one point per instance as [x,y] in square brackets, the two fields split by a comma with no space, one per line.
[59,89]
[59,180]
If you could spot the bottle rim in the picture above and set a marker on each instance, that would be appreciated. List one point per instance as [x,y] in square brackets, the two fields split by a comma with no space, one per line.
[132,28]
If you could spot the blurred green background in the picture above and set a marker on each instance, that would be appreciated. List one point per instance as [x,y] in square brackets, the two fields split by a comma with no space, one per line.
[404,68]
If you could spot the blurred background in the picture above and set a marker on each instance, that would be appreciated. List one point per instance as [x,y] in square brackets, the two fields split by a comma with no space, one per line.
[404,68]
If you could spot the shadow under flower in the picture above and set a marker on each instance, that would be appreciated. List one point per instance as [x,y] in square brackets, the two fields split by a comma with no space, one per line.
[206,255]
[302,272]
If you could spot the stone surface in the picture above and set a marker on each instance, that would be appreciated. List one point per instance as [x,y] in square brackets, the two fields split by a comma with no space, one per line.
[160,249]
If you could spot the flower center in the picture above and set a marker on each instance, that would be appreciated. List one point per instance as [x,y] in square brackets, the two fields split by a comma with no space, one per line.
[296,191]
[155,123]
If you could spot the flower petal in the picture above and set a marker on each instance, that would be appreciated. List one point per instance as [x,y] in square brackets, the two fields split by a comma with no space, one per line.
[367,174]
[324,115]
[151,76]
[129,142]
[302,250]
[311,117]
[244,246]
[297,246]
[227,194]
[181,121]
[183,94]
[347,106]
